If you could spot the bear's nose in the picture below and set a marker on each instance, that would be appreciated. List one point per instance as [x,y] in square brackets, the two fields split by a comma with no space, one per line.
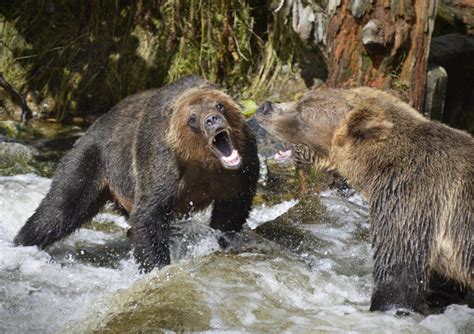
[265,108]
[213,121]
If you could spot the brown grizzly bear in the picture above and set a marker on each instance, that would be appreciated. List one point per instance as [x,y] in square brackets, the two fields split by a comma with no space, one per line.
[417,175]
[159,154]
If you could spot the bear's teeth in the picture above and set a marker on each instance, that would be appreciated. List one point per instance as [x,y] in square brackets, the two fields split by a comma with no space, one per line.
[283,155]
[233,159]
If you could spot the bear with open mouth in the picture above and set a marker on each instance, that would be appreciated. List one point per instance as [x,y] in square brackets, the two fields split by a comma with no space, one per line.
[159,155]
[417,175]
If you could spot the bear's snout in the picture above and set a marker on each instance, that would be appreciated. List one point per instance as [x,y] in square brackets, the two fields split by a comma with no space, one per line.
[266,108]
[214,122]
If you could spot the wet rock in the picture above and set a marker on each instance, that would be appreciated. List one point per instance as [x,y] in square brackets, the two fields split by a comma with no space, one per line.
[287,180]
[16,158]
[218,292]
[36,130]
[281,179]
[435,92]
[13,129]
[168,300]
[16,151]
[106,255]
[52,130]
[288,229]
[34,148]
[20,158]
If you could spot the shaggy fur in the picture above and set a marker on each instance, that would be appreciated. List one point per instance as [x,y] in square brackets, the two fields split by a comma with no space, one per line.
[143,155]
[417,175]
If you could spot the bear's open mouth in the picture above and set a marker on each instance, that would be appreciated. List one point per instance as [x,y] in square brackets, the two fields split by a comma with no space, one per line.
[222,146]
[284,154]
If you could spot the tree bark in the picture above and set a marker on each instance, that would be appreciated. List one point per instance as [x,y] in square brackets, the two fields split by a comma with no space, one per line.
[382,44]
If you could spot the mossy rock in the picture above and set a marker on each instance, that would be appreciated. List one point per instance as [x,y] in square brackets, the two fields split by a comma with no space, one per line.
[285,181]
[169,299]
[37,129]
[287,230]
[16,130]
[185,297]
[17,158]
[249,107]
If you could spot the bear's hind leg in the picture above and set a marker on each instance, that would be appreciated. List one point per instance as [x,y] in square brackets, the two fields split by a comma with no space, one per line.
[76,195]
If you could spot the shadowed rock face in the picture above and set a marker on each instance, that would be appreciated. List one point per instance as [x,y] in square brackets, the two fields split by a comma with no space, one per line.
[455,54]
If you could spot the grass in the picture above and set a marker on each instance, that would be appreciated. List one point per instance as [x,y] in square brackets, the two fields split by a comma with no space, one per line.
[87,55]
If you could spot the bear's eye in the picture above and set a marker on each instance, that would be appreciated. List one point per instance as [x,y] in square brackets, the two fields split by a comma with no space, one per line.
[192,122]
[220,107]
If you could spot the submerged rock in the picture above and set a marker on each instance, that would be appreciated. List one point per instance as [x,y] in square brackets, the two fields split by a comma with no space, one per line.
[157,302]
[19,158]
[212,293]
[170,299]
[16,158]
[288,229]
[14,129]
[34,148]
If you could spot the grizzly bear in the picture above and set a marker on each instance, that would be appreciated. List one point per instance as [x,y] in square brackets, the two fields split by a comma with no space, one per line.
[159,154]
[418,178]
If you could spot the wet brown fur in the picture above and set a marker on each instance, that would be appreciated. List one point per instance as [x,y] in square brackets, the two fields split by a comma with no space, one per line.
[143,155]
[417,175]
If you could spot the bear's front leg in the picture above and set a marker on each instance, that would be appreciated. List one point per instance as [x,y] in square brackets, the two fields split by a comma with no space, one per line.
[150,236]
[230,215]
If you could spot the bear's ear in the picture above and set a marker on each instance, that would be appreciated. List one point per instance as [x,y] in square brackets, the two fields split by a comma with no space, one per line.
[365,122]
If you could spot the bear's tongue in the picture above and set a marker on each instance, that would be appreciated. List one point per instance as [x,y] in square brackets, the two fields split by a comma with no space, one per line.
[233,159]
[283,155]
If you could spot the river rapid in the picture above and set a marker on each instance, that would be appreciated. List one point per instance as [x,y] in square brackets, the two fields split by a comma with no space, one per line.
[308,275]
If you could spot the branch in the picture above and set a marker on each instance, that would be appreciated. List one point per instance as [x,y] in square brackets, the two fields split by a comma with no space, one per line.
[26,113]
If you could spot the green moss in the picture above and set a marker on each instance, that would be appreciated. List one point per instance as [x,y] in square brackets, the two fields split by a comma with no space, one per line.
[155,304]
[10,41]
[249,107]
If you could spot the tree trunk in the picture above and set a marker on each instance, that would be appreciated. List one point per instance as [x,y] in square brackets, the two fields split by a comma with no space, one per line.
[382,44]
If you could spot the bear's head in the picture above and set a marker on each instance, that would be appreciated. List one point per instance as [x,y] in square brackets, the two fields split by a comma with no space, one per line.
[207,128]
[321,120]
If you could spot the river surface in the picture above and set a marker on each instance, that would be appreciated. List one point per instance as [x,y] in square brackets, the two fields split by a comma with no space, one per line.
[314,278]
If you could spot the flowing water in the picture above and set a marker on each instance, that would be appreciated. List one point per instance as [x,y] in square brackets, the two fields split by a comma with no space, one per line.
[290,275]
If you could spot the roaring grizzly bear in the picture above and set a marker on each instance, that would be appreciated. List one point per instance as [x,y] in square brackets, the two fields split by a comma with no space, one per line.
[158,154]
[417,175]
